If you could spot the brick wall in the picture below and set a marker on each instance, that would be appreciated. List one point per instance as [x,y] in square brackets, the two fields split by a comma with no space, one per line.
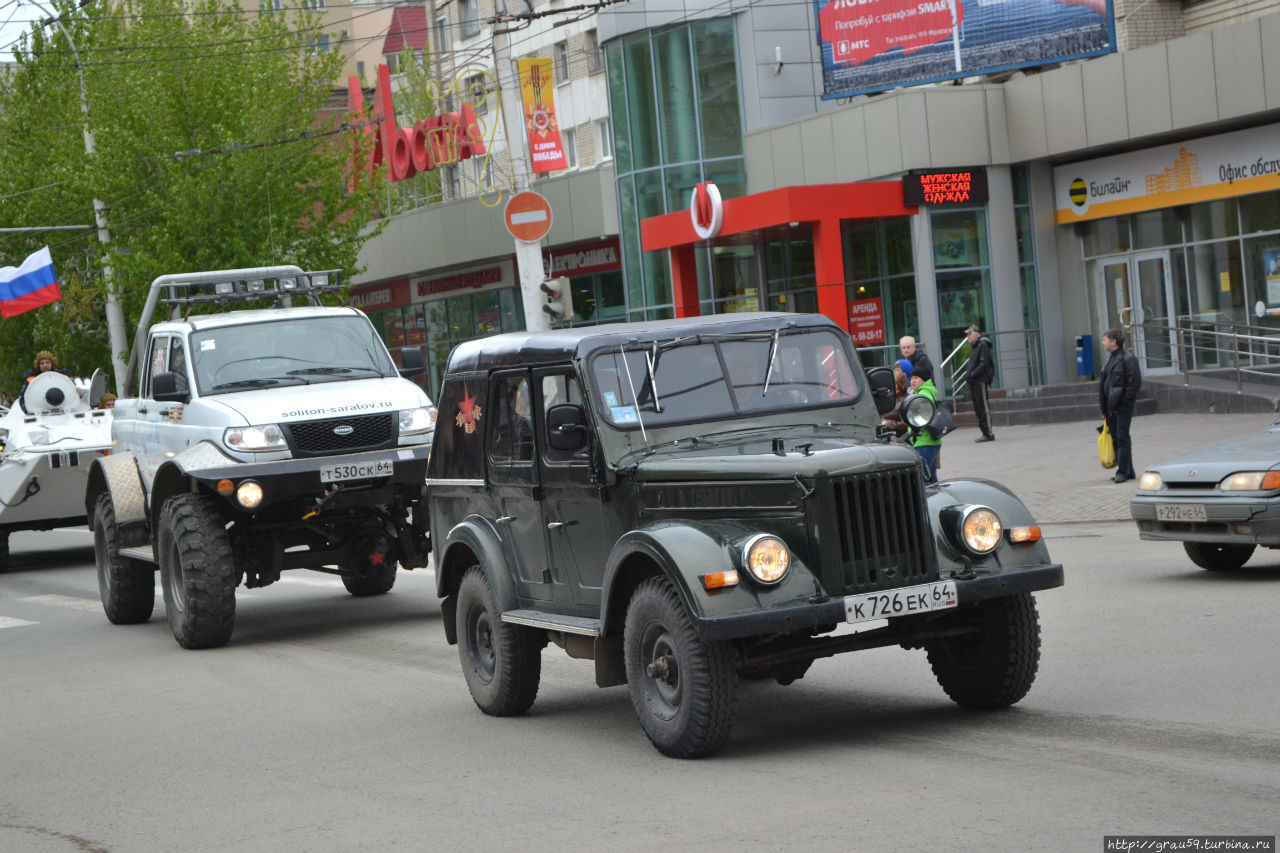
[1144,22]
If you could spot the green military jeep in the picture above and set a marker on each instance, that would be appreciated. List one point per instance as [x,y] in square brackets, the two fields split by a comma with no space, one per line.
[691,502]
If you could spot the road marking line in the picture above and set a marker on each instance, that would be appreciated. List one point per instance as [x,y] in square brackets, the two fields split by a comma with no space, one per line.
[87,605]
[11,622]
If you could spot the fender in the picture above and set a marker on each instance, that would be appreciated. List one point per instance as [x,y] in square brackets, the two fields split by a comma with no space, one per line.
[173,475]
[684,552]
[1013,512]
[117,474]
[475,534]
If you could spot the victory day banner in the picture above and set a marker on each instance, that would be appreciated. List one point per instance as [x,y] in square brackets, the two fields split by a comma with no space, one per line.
[536,91]
[874,45]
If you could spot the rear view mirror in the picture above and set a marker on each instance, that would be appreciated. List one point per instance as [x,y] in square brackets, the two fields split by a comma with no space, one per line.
[883,392]
[166,388]
[566,428]
[411,362]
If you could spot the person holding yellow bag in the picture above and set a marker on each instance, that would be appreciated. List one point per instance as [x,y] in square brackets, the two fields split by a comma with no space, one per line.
[1118,395]
[1106,447]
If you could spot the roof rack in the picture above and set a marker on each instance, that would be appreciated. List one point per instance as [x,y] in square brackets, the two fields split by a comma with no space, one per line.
[181,293]
[227,287]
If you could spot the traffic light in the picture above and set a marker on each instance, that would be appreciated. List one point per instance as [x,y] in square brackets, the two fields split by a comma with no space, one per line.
[559,299]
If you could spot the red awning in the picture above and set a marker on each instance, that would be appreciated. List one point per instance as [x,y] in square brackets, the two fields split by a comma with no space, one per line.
[408,29]
[864,200]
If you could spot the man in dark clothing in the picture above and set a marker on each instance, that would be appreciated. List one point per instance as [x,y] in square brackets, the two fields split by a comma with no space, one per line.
[44,363]
[979,373]
[914,354]
[1118,393]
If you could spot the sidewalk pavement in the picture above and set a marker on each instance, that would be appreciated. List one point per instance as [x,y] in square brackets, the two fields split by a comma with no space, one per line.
[1054,468]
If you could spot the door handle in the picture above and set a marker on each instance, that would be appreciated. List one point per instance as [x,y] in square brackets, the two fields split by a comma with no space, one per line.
[504,519]
[556,525]
[142,410]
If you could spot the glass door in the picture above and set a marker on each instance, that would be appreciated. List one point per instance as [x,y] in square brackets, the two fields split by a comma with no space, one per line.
[1136,296]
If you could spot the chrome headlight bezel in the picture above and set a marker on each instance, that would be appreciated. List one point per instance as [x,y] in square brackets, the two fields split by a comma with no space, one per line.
[418,420]
[917,411]
[255,438]
[761,556]
[979,529]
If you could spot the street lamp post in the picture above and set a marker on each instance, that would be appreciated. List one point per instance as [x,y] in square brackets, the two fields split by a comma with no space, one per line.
[115,314]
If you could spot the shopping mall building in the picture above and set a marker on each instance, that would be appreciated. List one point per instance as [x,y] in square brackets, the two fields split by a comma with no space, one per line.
[1135,181]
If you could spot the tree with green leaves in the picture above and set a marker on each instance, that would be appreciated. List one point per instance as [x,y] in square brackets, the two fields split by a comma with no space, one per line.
[220,144]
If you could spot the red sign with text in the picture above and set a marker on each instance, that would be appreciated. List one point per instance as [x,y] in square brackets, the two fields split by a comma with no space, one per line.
[866,321]
[859,30]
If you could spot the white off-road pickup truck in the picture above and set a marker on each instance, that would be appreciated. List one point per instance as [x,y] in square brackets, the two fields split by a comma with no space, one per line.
[259,440]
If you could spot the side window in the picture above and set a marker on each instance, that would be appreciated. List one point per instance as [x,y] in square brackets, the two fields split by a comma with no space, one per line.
[511,425]
[157,360]
[558,389]
[178,361]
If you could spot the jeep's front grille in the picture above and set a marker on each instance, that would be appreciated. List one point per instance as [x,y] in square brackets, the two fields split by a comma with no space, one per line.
[883,531]
[342,435]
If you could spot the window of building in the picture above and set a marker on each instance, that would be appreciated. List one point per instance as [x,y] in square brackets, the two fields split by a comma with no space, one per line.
[1025,227]
[595,58]
[879,265]
[561,55]
[319,43]
[962,272]
[314,5]
[605,132]
[469,14]
[478,93]
[442,34]
[270,5]
[569,138]
[360,71]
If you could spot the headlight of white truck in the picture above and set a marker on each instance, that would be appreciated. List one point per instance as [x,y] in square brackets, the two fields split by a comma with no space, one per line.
[417,421]
[254,438]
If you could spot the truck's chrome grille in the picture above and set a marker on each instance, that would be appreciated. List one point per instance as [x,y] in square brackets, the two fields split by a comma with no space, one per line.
[883,531]
[342,435]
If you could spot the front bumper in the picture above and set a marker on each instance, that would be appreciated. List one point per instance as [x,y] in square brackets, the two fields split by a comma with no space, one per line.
[288,480]
[1228,519]
[779,620]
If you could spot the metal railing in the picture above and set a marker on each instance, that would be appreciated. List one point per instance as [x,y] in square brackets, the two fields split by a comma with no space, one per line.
[1241,350]
[1017,354]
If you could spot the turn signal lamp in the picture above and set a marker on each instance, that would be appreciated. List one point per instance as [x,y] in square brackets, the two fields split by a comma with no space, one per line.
[719,580]
[1251,481]
[226,487]
[1024,534]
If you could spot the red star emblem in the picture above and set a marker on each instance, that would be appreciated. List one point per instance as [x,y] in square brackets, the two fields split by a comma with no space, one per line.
[375,559]
[468,412]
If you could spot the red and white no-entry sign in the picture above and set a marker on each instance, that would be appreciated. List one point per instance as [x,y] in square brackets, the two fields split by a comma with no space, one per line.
[528,216]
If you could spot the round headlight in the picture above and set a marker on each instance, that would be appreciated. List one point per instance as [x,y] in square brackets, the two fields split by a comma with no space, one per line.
[917,410]
[766,558]
[249,494]
[980,529]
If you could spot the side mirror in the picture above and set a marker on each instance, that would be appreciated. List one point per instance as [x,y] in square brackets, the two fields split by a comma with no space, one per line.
[165,388]
[883,392]
[411,362]
[567,428]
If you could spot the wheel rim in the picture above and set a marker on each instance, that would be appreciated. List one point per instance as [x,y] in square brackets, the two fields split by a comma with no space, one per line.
[480,651]
[661,669]
[175,584]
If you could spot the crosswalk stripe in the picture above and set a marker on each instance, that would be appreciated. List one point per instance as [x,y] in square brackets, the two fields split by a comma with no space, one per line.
[11,622]
[87,605]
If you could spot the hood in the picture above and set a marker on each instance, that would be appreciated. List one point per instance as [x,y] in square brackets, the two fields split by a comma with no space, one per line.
[48,432]
[322,400]
[1258,451]
[757,457]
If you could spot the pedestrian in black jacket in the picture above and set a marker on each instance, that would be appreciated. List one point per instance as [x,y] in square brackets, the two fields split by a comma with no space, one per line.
[1118,394]
[914,354]
[979,373]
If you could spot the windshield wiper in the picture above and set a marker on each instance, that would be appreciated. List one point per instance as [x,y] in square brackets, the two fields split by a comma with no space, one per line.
[330,371]
[773,354]
[245,383]
[651,359]
[634,399]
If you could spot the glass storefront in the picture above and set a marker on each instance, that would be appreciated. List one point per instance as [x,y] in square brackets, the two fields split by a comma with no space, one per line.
[962,269]
[878,263]
[677,114]
[1201,268]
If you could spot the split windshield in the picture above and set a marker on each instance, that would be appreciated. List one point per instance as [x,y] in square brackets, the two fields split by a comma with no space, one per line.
[713,377]
[297,351]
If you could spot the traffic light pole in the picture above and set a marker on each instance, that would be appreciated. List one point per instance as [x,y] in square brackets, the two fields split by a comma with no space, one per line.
[528,255]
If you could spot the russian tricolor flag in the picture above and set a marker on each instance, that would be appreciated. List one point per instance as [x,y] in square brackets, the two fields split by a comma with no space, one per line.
[29,286]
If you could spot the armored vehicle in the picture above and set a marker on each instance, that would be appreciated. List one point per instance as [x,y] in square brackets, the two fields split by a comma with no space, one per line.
[259,440]
[45,454]
[691,502]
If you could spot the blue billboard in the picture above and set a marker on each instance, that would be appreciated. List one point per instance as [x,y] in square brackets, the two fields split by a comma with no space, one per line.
[874,45]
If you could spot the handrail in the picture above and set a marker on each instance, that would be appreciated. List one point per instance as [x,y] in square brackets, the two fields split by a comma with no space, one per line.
[1189,348]
[1029,356]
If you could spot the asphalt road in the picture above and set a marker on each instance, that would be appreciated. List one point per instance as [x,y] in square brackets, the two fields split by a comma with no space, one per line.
[339,724]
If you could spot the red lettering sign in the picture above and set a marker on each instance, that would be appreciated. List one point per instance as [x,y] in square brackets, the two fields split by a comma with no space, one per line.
[473,279]
[440,140]
[958,187]
[866,321]
[859,30]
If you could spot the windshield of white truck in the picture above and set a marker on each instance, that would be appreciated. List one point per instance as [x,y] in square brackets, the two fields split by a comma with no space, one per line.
[294,351]
[710,378]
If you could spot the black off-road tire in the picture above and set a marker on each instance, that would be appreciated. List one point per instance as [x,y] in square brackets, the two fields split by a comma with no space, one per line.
[197,571]
[1215,557]
[370,583]
[684,690]
[995,667]
[501,662]
[126,586]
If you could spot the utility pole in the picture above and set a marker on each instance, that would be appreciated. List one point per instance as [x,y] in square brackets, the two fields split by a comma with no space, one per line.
[115,314]
[528,255]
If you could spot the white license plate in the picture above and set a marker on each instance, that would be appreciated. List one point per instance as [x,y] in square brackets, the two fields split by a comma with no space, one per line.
[1181,512]
[359,471]
[900,602]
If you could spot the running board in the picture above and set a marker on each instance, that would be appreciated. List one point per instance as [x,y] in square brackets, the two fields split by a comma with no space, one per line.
[554,622]
[142,553]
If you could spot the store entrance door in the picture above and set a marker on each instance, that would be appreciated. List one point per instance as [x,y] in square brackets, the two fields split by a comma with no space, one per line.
[1136,295]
